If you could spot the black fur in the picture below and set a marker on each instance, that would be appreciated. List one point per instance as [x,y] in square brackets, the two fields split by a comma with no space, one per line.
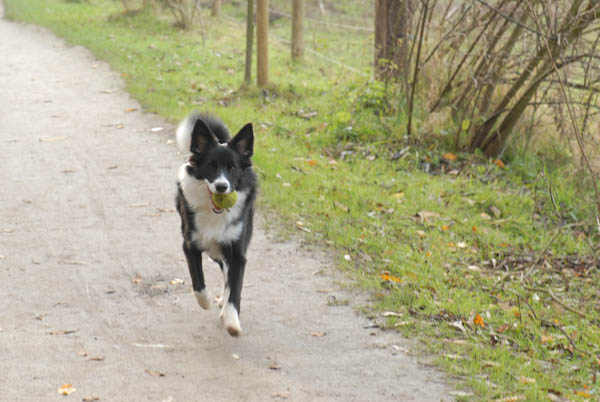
[208,161]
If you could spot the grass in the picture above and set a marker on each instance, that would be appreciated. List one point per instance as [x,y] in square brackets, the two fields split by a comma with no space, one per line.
[446,243]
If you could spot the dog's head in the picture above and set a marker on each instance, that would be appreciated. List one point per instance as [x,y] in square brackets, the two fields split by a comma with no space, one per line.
[221,165]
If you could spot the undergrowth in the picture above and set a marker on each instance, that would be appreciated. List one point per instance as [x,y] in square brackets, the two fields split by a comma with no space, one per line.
[490,264]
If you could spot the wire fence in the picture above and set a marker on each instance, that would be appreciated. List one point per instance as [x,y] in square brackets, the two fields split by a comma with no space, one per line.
[338,32]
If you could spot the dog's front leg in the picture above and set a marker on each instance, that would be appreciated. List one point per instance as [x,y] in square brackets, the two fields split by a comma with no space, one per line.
[235,264]
[194,261]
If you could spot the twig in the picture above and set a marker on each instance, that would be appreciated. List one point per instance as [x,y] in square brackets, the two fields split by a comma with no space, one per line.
[515,21]
[578,137]
[575,348]
[539,257]
[416,74]
[557,300]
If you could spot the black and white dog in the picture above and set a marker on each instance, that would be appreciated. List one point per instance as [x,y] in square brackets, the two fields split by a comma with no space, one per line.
[217,164]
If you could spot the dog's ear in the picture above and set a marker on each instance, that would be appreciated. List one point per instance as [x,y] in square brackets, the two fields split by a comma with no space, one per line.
[243,142]
[202,138]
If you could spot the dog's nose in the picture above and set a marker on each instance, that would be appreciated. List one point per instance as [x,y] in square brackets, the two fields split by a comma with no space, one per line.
[221,187]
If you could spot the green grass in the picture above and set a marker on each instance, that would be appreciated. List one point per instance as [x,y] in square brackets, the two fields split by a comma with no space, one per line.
[421,244]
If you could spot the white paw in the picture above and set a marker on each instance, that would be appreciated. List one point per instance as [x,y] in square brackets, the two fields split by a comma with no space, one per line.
[203,299]
[229,315]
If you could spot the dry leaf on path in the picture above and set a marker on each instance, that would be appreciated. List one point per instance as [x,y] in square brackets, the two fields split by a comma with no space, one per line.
[91,398]
[154,373]
[52,139]
[63,331]
[282,394]
[66,389]
[97,358]
[318,334]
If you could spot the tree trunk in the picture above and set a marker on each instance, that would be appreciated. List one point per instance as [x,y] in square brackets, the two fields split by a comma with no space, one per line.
[249,40]
[391,38]
[297,29]
[262,42]
[216,8]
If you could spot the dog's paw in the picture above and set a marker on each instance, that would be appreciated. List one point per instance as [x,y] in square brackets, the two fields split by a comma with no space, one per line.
[203,299]
[229,316]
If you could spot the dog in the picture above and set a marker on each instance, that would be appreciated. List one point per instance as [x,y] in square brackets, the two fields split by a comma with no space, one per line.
[217,163]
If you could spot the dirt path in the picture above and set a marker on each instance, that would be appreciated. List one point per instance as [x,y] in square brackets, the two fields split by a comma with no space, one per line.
[89,243]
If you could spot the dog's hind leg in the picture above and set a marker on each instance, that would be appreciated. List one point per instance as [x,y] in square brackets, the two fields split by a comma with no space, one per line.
[221,299]
[194,261]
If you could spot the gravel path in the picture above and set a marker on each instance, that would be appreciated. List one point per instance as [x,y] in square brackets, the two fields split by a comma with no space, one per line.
[90,259]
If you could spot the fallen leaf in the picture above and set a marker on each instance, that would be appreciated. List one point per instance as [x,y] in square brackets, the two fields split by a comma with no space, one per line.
[311,162]
[496,211]
[154,373]
[398,196]
[391,314]
[91,398]
[52,139]
[478,320]
[136,279]
[318,334]
[156,129]
[462,244]
[97,358]
[583,394]
[527,380]
[177,281]
[499,163]
[274,366]
[514,398]
[488,363]
[235,356]
[502,328]
[282,394]
[120,126]
[421,234]
[546,339]
[485,216]
[63,331]
[445,227]
[66,389]
[458,325]
[426,215]
[449,156]
[131,109]
[387,277]
[82,352]
[341,206]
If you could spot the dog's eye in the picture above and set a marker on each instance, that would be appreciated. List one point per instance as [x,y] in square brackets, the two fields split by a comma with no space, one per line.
[213,165]
[231,168]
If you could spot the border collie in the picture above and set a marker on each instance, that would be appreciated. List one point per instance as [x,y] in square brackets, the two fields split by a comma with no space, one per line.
[217,163]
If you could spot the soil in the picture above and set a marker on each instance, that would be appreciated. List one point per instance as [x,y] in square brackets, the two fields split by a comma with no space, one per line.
[94,288]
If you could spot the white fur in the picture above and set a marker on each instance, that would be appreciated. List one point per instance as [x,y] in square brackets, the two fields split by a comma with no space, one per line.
[230,318]
[219,180]
[225,289]
[184,134]
[211,228]
[203,299]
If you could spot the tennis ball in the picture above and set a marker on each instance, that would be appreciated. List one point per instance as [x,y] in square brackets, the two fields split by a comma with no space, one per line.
[224,201]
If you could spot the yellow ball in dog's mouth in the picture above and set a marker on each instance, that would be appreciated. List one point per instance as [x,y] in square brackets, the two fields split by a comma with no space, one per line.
[224,201]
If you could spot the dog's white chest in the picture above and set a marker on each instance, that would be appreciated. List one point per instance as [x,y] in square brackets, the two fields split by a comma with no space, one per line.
[211,229]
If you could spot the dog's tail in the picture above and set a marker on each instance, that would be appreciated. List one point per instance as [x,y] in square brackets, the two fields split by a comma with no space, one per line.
[184,133]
